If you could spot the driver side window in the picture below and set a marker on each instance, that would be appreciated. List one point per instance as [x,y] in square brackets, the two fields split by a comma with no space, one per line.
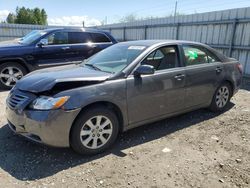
[163,58]
[58,38]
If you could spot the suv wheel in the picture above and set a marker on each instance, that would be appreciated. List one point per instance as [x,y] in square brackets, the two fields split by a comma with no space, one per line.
[10,73]
[94,131]
[221,97]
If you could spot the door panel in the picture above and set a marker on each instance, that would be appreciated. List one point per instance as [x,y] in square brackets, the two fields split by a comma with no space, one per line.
[201,83]
[55,52]
[204,73]
[155,95]
[64,48]
[81,46]
[79,52]
[50,55]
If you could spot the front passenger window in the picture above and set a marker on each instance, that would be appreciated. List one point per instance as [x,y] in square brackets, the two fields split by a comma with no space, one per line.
[58,38]
[162,58]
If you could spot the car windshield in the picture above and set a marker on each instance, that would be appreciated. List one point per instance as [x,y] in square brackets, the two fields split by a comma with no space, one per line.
[32,37]
[29,34]
[115,58]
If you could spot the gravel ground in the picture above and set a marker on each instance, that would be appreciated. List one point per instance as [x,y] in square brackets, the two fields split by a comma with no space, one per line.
[197,149]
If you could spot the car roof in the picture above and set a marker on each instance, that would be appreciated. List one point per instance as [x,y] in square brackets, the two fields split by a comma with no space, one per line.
[79,29]
[160,42]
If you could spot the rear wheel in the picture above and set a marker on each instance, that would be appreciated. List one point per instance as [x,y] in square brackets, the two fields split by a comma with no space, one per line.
[221,97]
[10,73]
[94,131]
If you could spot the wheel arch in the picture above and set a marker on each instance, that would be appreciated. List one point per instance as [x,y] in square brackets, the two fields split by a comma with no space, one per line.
[16,60]
[107,104]
[231,84]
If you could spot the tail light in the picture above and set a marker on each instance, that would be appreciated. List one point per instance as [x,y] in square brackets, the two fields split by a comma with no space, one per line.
[239,67]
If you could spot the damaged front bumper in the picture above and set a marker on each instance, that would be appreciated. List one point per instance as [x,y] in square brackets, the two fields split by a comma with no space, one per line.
[47,127]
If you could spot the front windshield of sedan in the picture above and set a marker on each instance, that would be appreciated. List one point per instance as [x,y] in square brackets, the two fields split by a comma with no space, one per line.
[115,58]
[32,37]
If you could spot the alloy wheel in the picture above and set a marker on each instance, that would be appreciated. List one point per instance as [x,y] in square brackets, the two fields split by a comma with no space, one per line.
[222,96]
[96,132]
[10,75]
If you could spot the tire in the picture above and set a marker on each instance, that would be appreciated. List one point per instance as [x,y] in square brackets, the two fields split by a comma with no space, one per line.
[95,138]
[10,73]
[221,97]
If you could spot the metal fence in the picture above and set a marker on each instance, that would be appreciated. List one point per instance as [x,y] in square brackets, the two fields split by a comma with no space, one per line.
[228,31]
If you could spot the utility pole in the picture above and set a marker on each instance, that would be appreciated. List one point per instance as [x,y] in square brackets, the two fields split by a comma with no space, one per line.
[177,25]
[106,20]
[175,10]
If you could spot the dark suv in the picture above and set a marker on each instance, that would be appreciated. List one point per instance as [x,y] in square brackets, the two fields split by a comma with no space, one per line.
[50,47]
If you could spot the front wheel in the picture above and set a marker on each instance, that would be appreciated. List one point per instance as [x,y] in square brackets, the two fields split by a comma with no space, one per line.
[221,97]
[10,73]
[94,131]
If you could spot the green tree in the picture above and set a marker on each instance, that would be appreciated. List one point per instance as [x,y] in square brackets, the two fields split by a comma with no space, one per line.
[37,16]
[29,16]
[10,18]
[44,17]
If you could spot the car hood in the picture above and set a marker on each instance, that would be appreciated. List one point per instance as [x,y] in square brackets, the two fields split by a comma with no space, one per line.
[10,44]
[46,79]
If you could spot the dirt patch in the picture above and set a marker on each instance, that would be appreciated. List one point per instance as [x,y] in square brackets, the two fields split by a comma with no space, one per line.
[197,149]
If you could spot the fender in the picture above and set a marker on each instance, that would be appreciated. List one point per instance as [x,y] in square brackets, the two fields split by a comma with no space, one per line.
[18,60]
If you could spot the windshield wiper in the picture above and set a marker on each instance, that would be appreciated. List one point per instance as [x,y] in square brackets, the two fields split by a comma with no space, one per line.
[93,66]
[97,68]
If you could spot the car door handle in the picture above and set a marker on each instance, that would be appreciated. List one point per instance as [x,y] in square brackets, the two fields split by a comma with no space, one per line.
[218,69]
[65,48]
[179,77]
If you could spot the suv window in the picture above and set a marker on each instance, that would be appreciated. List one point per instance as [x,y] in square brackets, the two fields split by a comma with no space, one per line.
[99,38]
[79,37]
[58,38]
[163,58]
[195,56]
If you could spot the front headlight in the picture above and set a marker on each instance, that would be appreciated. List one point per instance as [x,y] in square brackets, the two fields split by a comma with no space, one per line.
[48,103]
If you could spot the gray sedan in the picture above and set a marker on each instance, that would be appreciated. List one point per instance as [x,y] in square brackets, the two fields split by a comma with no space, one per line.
[129,84]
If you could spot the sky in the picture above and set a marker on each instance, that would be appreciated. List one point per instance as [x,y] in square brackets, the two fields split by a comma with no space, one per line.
[94,12]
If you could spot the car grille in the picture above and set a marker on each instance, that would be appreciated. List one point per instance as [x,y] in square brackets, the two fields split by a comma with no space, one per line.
[15,100]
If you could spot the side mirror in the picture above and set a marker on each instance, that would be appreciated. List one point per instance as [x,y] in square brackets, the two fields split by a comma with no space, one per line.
[43,42]
[144,70]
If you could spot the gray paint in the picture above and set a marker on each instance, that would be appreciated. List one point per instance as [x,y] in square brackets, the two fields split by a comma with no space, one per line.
[141,99]
[33,81]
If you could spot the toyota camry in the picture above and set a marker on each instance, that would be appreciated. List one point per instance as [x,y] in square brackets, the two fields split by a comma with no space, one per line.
[129,84]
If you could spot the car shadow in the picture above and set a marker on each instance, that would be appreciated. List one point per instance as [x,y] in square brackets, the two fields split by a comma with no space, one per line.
[3,90]
[25,160]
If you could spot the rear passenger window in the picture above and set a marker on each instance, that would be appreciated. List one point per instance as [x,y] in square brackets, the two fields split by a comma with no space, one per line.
[79,37]
[196,56]
[99,38]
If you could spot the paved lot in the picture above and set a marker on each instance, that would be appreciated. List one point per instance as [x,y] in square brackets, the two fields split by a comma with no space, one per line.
[198,149]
